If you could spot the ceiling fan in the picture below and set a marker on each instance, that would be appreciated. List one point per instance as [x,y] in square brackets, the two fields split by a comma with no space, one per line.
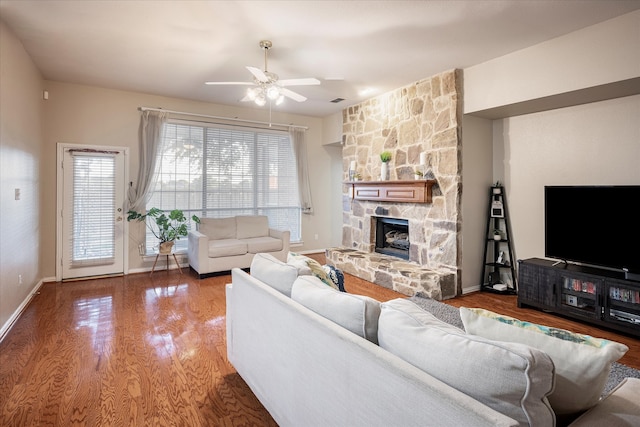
[267,86]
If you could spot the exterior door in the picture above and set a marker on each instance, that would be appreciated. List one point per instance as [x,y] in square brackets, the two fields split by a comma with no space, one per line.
[92,222]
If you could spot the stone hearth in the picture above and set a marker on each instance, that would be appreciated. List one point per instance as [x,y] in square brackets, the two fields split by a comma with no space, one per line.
[391,272]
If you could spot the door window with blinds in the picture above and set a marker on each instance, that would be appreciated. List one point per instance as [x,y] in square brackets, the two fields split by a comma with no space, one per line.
[215,171]
[94,204]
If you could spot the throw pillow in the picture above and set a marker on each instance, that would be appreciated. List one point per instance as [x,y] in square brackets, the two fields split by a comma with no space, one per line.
[315,269]
[273,272]
[514,379]
[582,362]
[357,313]
[336,276]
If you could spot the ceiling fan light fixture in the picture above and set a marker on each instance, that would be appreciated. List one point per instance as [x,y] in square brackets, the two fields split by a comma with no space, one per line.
[273,92]
[267,87]
[260,100]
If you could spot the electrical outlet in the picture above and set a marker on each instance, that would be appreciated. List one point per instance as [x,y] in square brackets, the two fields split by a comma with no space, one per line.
[316,236]
[141,248]
[19,279]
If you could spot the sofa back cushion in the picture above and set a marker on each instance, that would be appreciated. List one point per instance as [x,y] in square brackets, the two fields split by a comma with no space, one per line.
[582,362]
[273,272]
[357,313]
[513,379]
[218,228]
[252,226]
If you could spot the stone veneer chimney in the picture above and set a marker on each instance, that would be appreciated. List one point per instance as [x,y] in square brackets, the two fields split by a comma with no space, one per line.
[424,117]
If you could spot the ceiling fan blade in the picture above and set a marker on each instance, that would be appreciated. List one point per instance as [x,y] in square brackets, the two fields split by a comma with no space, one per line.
[293,95]
[230,83]
[299,82]
[258,74]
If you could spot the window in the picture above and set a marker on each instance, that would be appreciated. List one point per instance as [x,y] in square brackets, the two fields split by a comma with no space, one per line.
[215,171]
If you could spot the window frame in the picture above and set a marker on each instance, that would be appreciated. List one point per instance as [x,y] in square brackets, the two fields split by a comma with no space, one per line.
[258,206]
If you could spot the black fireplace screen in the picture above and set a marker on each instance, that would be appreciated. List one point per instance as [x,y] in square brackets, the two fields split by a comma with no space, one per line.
[392,237]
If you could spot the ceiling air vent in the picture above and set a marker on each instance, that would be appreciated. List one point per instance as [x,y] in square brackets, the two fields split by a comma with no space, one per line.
[335,101]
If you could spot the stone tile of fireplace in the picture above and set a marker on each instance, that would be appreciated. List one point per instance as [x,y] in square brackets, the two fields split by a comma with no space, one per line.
[402,276]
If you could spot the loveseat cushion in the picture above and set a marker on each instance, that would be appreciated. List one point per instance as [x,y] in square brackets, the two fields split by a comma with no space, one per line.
[218,228]
[513,379]
[252,226]
[582,362]
[273,272]
[263,244]
[226,247]
[357,313]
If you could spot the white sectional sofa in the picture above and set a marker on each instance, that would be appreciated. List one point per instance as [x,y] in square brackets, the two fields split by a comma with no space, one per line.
[221,244]
[315,356]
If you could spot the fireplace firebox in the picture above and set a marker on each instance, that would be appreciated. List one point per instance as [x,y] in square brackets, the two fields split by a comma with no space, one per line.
[392,237]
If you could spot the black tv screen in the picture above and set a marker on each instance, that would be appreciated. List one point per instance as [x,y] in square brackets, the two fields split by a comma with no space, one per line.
[596,225]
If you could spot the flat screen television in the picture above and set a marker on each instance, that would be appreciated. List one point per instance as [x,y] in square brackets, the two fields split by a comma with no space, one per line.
[594,225]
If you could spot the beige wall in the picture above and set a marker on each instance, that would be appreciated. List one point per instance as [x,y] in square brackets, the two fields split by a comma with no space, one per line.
[95,116]
[20,158]
[477,139]
[573,137]
[597,55]
[597,143]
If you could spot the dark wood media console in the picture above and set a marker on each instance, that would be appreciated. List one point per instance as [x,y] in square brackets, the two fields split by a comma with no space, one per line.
[602,297]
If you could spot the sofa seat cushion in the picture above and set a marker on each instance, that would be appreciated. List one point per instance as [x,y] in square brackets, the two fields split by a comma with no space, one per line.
[249,226]
[357,313]
[582,362]
[256,245]
[511,378]
[226,247]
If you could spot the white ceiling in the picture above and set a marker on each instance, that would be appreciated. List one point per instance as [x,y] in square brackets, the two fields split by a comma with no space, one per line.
[171,48]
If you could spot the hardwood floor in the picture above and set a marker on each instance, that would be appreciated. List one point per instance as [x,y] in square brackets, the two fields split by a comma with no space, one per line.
[150,350]
[139,350]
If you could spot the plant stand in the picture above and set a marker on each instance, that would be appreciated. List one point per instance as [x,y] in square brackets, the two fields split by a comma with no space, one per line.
[174,258]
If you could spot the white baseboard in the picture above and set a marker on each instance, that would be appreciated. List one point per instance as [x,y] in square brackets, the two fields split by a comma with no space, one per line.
[470,289]
[16,314]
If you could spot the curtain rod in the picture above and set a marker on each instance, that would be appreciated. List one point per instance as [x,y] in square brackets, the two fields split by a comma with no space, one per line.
[220,117]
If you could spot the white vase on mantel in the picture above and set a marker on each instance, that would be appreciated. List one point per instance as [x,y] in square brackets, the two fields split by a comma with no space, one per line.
[384,171]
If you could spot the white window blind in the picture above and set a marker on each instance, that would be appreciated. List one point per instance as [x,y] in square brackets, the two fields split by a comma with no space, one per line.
[94,198]
[217,171]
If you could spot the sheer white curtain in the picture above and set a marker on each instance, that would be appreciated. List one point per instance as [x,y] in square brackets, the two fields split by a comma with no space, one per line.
[150,134]
[300,152]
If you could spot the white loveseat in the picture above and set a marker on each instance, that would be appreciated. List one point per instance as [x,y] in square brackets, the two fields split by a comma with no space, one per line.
[221,244]
[310,355]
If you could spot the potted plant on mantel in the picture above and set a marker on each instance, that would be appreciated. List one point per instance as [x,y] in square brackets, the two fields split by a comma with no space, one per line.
[169,228]
[385,157]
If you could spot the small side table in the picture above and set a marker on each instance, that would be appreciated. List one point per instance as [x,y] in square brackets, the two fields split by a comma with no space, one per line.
[174,258]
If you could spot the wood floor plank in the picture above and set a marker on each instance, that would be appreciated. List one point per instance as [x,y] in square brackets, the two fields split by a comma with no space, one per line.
[150,350]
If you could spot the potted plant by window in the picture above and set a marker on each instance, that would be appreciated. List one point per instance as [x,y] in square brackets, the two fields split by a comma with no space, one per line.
[168,229]
[385,156]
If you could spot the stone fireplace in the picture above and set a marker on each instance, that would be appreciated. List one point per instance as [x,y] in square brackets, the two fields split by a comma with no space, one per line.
[415,123]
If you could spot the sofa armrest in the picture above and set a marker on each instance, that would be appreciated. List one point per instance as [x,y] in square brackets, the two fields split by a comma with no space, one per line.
[198,250]
[621,408]
[285,236]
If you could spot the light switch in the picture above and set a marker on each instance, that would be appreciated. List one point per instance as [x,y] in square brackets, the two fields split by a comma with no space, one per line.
[17,194]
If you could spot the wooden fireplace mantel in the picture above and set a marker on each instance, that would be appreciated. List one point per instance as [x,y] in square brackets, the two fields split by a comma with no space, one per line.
[418,191]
